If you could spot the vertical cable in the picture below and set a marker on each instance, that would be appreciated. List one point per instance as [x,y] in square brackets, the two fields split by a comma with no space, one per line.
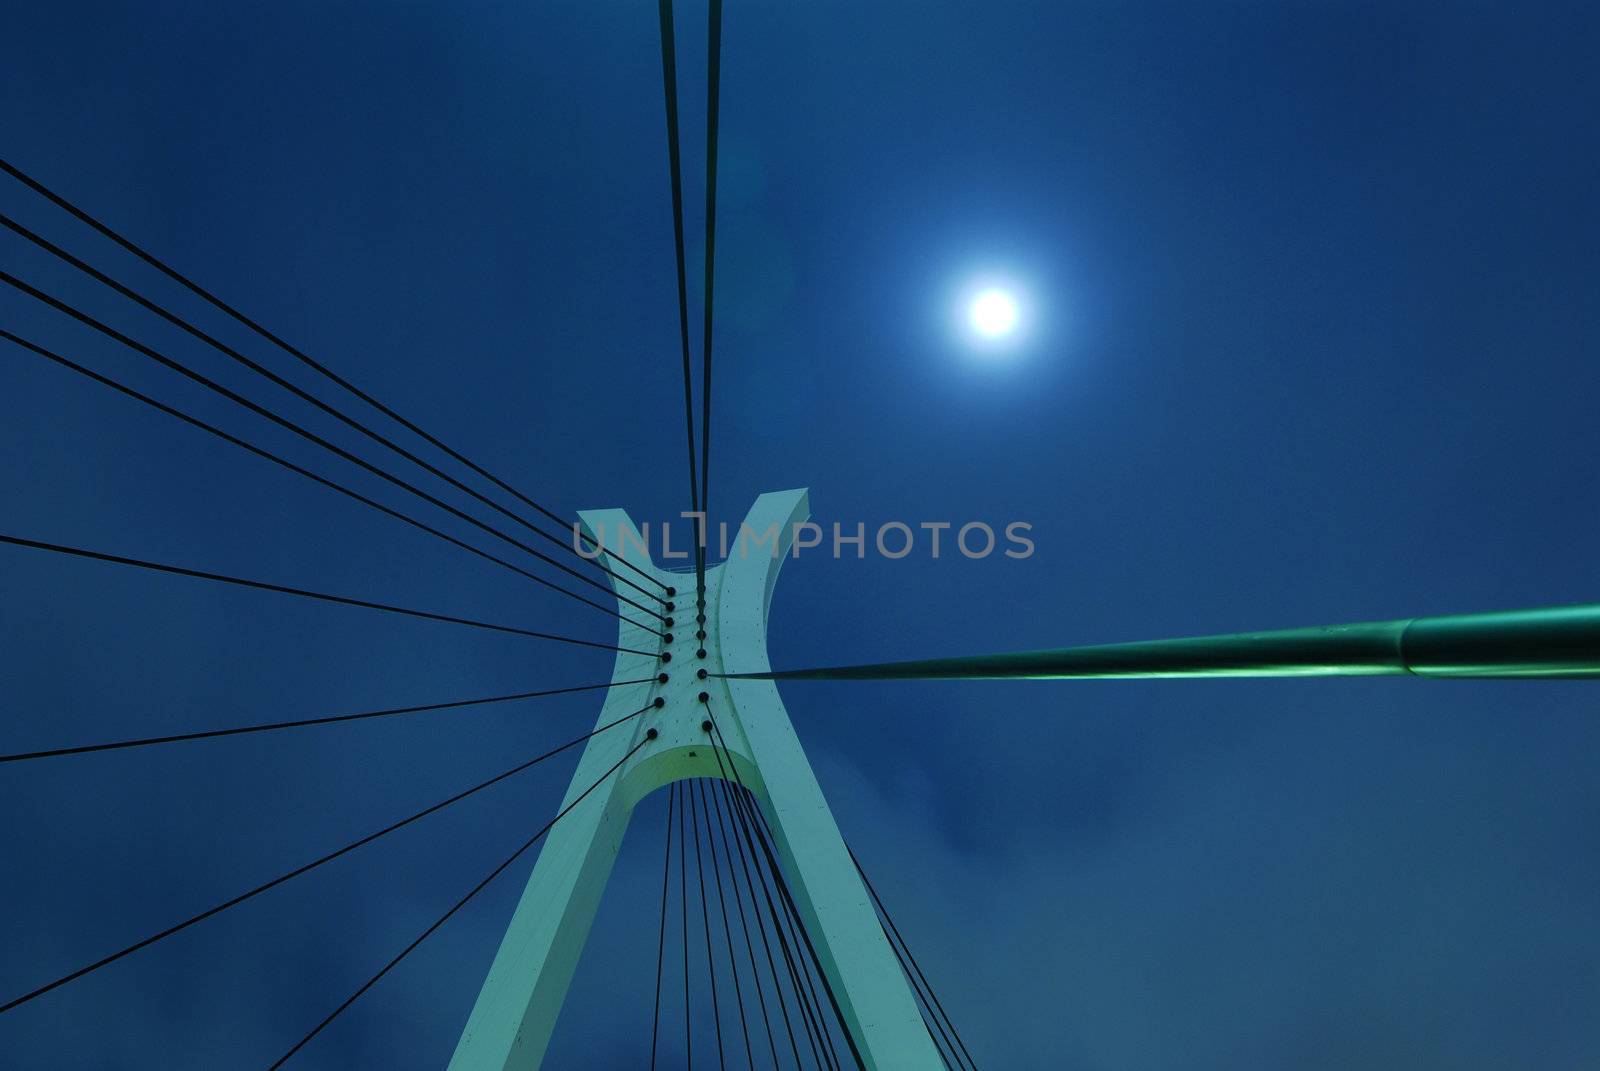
[661,939]
[669,85]
[705,922]
[713,102]
[683,902]
[727,929]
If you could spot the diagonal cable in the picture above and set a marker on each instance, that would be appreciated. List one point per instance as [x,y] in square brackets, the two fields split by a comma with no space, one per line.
[932,1008]
[941,1040]
[306,867]
[811,1017]
[299,723]
[788,898]
[262,585]
[810,968]
[304,395]
[741,821]
[182,369]
[933,998]
[305,359]
[459,904]
[744,925]
[74,366]
[786,917]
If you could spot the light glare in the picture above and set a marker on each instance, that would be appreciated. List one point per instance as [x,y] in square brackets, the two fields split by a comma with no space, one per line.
[993,313]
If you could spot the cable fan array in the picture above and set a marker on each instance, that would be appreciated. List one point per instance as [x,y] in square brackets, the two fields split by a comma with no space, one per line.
[800,1020]
[772,996]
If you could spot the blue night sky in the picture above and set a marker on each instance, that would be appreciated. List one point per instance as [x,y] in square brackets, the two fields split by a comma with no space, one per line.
[1312,338]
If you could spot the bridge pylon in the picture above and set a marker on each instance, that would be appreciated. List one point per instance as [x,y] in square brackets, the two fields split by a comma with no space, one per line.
[516,1010]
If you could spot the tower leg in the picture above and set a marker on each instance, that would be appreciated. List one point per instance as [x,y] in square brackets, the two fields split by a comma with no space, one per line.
[510,1025]
[516,1011]
[862,970]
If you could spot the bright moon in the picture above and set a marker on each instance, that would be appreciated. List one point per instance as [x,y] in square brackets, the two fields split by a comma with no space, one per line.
[993,313]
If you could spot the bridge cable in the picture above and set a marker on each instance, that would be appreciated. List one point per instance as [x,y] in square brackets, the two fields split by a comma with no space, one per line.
[713,97]
[932,997]
[744,926]
[805,995]
[925,1010]
[810,1017]
[184,370]
[683,903]
[819,1054]
[72,365]
[810,1012]
[307,867]
[705,920]
[788,898]
[183,280]
[344,600]
[703,790]
[459,904]
[765,831]
[761,928]
[304,395]
[212,734]
[661,939]
[669,85]
[927,1001]
[791,918]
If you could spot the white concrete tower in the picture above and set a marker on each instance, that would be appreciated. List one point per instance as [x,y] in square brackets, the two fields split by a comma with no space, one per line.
[510,1025]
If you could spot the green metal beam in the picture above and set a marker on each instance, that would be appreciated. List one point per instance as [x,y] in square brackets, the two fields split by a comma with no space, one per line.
[1557,642]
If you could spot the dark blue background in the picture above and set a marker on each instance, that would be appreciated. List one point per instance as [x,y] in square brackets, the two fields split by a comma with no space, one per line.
[1314,341]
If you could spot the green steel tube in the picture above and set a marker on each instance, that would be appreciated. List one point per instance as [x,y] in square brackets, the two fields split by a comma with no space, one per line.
[1557,642]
